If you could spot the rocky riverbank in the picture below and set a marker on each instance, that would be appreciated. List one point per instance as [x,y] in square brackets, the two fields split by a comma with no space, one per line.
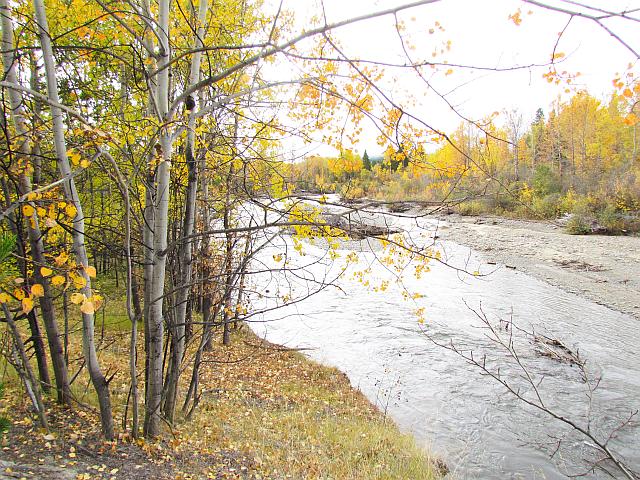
[605,269]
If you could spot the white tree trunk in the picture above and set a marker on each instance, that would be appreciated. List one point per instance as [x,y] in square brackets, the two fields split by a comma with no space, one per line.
[163,176]
[89,349]
[185,253]
[17,116]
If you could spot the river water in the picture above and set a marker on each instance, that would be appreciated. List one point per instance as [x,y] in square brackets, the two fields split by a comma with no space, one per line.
[368,329]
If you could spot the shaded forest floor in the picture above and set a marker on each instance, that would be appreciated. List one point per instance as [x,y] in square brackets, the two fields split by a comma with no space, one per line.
[265,413]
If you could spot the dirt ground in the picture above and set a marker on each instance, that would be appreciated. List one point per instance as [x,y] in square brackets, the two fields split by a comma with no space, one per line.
[605,269]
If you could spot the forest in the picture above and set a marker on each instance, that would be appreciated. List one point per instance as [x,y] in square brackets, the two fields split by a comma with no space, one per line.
[581,159]
[145,186]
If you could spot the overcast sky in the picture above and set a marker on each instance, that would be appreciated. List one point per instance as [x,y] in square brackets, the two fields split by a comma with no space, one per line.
[482,35]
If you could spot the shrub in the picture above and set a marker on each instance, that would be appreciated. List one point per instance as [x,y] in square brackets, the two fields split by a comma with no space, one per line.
[471,207]
[545,181]
[548,206]
[578,225]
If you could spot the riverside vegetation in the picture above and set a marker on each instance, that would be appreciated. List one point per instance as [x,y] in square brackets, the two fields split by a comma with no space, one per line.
[135,133]
[580,161]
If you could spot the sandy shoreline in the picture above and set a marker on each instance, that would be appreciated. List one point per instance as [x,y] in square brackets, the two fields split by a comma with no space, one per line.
[605,269]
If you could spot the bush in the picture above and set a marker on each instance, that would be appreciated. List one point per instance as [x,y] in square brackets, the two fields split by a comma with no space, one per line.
[472,207]
[545,181]
[578,225]
[617,223]
[548,206]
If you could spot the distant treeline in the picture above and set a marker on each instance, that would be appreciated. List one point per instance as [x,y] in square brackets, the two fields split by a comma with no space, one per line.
[581,158]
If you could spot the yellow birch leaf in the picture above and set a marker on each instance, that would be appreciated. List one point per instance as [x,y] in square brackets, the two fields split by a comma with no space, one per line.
[19,293]
[27,304]
[61,259]
[74,157]
[77,298]
[31,196]
[58,280]
[70,210]
[85,163]
[97,301]
[45,272]
[4,298]
[627,93]
[41,211]
[91,271]
[87,307]
[79,282]
[37,290]
[28,210]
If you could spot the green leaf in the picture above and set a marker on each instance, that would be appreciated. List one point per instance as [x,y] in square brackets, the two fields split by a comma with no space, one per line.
[7,244]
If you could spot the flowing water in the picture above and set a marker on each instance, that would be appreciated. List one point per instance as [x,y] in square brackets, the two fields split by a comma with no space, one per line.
[469,419]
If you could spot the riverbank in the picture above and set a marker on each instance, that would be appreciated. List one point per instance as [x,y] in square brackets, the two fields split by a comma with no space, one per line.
[266,413]
[604,269]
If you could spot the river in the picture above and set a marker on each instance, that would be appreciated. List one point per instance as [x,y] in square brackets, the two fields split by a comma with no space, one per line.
[469,419]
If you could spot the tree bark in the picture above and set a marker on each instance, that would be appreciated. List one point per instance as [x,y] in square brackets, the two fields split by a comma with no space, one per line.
[35,237]
[89,349]
[163,176]
[185,253]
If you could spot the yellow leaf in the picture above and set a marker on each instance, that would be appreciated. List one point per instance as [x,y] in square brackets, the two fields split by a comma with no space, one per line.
[85,163]
[28,210]
[70,210]
[31,196]
[27,304]
[79,281]
[74,157]
[627,93]
[4,297]
[37,290]
[515,17]
[91,271]
[58,280]
[97,301]
[631,119]
[45,272]
[87,307]
[61,259]
[77,298]
[19,293]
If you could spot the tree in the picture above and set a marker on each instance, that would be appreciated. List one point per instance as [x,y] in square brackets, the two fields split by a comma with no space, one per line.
[175,106]
[366,163]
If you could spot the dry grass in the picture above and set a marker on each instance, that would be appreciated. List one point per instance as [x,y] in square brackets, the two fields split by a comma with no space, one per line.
[265,412]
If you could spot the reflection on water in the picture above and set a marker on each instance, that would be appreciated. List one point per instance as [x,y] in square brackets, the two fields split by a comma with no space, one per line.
[469,419]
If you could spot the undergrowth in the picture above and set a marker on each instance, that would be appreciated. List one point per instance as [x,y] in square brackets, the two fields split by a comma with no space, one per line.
[266,412]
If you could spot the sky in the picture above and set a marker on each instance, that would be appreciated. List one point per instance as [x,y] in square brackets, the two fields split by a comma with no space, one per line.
[482,35]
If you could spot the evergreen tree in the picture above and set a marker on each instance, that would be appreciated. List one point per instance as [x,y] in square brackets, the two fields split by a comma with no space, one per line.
[366,163]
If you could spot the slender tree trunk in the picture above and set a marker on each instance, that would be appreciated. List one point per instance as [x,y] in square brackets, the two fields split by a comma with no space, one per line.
[89,349]
[241,285]
[35,236]
[24,369]
[156,326]
[34,326]
[148,225]
[185,253]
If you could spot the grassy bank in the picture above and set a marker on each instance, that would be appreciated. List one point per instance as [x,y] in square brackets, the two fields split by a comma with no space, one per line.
[266,412]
